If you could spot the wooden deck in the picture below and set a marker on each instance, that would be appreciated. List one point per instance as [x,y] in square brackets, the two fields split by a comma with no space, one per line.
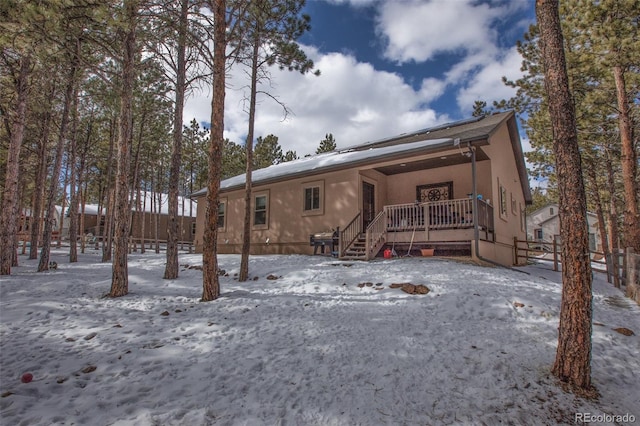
[444,223]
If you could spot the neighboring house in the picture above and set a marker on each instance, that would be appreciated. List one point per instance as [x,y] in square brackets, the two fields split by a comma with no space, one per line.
[155,218]
[411,191]
[26,221]
[543,226]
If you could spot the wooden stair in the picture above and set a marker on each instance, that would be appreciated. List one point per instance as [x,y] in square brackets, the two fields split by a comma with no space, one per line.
[357,250]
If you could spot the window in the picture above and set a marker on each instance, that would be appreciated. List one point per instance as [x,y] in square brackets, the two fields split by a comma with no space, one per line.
[312,198]
[551,211]
[514,205]
[503,201]
[193,228]
[260,210]
[538,234]
[221,214]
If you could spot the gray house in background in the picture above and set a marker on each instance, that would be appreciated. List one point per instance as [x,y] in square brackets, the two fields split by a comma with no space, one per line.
[543,226]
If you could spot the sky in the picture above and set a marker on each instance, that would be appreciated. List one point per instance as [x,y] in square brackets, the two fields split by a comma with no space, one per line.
[304,342]
[387,67]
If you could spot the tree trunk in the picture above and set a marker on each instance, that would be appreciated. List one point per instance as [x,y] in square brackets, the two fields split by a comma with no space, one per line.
[108,208]
[73,184]
[43,265]
[63,204]
[629,164]
[41,178]
[210,279]
[120,274]
[158,214]
[144,221]
[10,196]
[597,200]
[614,234]
[246,240]
[573,356]
[83,201]
[82,185]
[171,269]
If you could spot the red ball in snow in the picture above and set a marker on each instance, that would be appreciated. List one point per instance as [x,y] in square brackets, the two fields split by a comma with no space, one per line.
[26,377]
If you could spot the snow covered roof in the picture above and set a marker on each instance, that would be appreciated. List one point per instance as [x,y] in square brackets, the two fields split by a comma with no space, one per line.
[472,130]
[150,207]
[329,161]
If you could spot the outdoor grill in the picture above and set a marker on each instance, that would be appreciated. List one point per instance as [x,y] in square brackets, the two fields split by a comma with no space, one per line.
[324,239]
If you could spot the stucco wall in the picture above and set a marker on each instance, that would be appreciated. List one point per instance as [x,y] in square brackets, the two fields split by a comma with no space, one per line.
[401,188]
[288,227]
[505,173]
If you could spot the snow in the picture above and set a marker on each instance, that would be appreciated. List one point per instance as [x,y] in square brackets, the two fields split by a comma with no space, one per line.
[327,161]
[150,205]
[308,348]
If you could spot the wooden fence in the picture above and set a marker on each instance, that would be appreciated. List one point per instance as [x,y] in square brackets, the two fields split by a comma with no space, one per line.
[622,269]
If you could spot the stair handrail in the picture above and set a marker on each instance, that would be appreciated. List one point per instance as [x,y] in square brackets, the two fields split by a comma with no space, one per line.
[375,234]
[349,234]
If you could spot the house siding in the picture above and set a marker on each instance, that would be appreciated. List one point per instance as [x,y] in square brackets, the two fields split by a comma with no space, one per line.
[341,184]
[505,173]
[288,228]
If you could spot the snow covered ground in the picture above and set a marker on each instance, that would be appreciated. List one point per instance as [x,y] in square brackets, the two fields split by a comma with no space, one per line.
[308,348]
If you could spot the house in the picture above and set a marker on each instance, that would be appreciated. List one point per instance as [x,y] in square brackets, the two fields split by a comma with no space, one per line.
[149,219]
[459,188]
[543,226]
[26,222]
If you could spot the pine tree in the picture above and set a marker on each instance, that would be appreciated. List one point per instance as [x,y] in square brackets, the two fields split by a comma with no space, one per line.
[328,144]
[120,274]
[271,28]
[267,152]
[210,281]
[573,356]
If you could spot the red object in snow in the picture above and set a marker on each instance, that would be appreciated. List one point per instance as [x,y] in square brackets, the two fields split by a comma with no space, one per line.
[26,377]
[387,254]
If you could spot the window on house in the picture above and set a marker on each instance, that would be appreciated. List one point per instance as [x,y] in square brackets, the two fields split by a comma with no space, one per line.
[503,201]
[514,205]
[538,234]
[221,214]
[551,211]
[260,210]
[312,198]
[193,228]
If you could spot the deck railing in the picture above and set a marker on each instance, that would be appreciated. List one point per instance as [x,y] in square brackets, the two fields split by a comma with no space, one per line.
[435,215]
[447,214]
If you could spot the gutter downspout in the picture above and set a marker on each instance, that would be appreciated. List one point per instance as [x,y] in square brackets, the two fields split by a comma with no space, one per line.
[476,230]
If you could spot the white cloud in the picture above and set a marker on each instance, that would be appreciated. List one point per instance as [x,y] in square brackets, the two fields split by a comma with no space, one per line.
[487,84]
[417,30]
[356,102]
[350,99]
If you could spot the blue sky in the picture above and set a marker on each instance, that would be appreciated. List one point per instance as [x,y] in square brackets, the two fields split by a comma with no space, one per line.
[387,67]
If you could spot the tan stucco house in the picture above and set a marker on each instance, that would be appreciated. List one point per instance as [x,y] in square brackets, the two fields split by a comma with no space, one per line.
[459,188]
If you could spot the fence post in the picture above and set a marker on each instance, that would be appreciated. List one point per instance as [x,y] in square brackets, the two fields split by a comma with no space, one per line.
[515,250]
[555,255]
